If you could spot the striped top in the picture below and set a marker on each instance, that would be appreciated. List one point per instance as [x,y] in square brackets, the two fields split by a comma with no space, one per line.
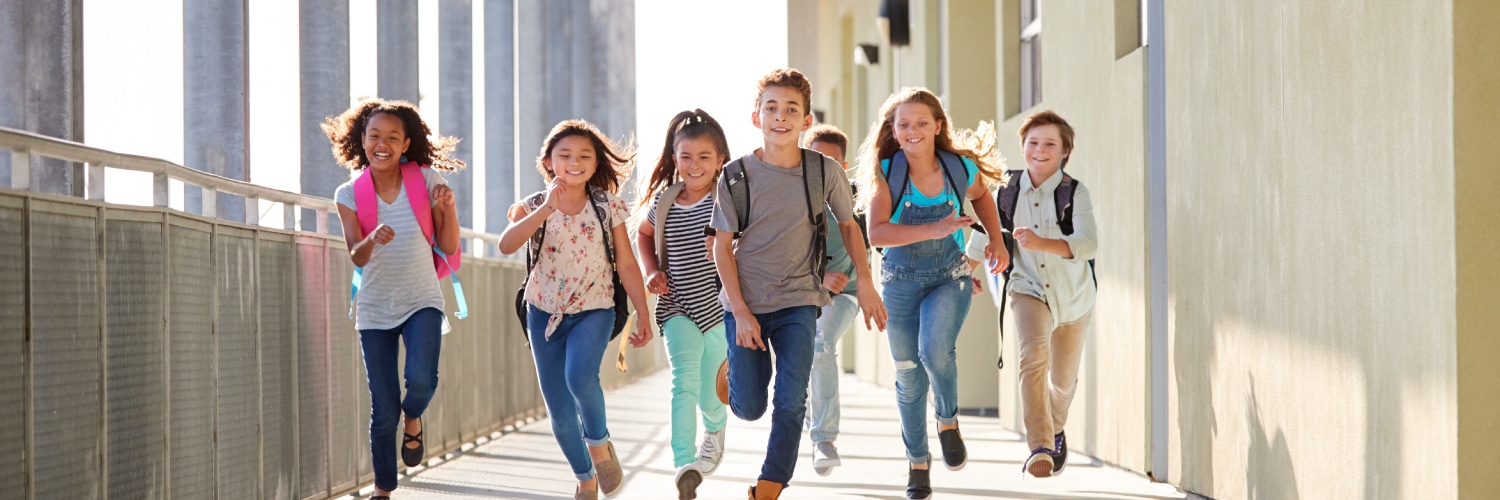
[691,277]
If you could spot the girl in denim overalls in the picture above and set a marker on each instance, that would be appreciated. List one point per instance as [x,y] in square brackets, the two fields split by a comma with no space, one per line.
[927,279]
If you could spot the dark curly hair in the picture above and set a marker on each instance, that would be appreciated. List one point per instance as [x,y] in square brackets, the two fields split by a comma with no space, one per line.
[615,160]
[347,131]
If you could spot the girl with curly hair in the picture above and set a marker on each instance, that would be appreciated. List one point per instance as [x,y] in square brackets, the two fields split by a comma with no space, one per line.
[395,184]
[912,151]
[570,295]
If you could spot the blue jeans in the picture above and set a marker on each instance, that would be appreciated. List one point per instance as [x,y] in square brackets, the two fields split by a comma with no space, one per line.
[422,334]
[789,332]
[927,292]
[923,320]
[823,386]
[567,367]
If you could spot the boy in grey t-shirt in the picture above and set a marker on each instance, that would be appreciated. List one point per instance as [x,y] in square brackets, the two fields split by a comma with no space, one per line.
[770,287]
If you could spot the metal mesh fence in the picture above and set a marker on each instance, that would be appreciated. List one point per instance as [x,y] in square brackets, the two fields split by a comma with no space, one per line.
[154,354]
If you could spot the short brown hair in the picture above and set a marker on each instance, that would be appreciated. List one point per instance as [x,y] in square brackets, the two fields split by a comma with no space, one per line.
[789,78]
[1048,117]
[828,134]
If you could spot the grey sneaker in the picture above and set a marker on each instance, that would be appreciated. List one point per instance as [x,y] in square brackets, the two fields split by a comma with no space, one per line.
[688,478]
[611,477]
[710,452]
[825,458]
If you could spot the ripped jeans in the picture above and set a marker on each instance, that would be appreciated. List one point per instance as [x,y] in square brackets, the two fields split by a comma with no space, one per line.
[922,326]
[823,385]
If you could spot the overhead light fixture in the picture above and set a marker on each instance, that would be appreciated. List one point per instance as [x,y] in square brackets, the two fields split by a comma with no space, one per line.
[895,22]
[866,54]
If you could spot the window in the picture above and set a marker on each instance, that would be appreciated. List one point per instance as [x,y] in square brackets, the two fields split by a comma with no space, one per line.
[1031,54]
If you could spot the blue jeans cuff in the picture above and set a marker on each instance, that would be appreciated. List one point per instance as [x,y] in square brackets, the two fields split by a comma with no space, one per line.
[823,438]
[919,460]
[596,442]
[587,475]
[945,421]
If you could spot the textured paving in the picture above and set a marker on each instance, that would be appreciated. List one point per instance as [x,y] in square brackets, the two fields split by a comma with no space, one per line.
[526,463]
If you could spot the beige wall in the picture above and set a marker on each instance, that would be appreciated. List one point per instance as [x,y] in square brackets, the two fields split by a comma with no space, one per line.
[1476,180]
[1310,172]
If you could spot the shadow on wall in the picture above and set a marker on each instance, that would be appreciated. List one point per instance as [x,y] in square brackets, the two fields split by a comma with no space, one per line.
[1195,397]
[1270,474]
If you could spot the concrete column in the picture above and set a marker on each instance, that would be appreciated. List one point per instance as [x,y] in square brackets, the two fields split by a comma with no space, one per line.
[397,40]
[557,50]
[615,103]
[324,47]
[499,112]
[456,96]
[531,122]
[215,100]
[588,62]
[41,84]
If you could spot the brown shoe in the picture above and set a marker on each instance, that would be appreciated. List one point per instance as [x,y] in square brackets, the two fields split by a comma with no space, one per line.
[592,494]
[610,475]
[765,490]
[721,384]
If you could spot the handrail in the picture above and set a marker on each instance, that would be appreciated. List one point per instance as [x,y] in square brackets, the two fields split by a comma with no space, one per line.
[24,144]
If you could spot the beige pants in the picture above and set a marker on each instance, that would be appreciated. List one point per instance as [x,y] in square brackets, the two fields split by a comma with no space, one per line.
[1049,367]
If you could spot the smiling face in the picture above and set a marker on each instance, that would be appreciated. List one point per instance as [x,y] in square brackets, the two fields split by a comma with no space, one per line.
[915,128]
[698,161]
[782,116]
[1043,149]
[385,140]
[573,160]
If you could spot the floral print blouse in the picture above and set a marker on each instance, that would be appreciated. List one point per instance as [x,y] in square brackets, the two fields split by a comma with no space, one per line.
[572,274]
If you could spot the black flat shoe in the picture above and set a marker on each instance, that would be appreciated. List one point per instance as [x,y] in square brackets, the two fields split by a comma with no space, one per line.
[955,454]
[919,483]
[412,457]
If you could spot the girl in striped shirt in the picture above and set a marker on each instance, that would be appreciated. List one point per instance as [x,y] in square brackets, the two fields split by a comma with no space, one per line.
[674,259]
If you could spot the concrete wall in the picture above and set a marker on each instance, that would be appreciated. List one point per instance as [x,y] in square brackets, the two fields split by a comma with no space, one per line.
[1311,235]
[1331,229]
[1476,110]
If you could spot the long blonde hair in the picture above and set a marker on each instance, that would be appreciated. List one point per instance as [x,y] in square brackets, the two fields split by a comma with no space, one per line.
[880,144]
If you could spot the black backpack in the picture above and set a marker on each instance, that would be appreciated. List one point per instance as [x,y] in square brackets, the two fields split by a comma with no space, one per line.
[737,183]
[1005,199]
[598,199]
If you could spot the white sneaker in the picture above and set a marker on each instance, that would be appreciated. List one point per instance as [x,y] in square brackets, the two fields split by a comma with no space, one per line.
[825,458]
[711,452]
[687,480]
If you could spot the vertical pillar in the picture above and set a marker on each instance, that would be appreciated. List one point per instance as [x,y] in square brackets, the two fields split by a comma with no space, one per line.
[397,40]
[41,84]
[323,26]
[456,96]
[557,95]
[499,112]
[531,122]
[620,106]
[215,101]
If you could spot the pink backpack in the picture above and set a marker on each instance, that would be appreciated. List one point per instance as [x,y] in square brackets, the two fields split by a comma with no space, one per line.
[367,208]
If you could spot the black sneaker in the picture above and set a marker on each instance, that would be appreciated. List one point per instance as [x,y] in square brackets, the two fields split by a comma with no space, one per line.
[1060,456]
[1039,464]
[955,455]
[919,483]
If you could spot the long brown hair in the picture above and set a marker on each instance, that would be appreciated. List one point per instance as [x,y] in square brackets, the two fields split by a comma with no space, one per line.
[977,145]
[347,131]
[686,125]
[614,160]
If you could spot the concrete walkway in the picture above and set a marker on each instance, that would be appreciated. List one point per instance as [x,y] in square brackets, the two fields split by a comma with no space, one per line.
[526,463]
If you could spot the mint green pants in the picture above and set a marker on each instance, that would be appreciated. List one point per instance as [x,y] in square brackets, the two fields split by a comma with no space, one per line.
[695,356]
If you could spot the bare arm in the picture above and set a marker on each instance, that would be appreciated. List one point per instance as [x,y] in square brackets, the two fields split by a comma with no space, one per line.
[884,233]
[523,224]
[630,276]
[360,245]
[989,217]
[445,219]
[746,327]
[869,301]
[645,245]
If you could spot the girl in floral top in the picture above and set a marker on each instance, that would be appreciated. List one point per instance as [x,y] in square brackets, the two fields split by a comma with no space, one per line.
[570,291]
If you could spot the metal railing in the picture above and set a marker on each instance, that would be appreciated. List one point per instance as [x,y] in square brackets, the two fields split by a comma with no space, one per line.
[153,353]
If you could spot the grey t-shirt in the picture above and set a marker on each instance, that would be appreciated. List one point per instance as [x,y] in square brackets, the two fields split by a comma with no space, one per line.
[774,253]
[399,278]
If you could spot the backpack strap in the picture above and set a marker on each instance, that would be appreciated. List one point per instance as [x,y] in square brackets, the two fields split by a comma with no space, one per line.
[534,245]
[1063,198]
[415,183]
[813,182]
[1005,200]
[599,199]
[897,177]
[737,182]
[663,207]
